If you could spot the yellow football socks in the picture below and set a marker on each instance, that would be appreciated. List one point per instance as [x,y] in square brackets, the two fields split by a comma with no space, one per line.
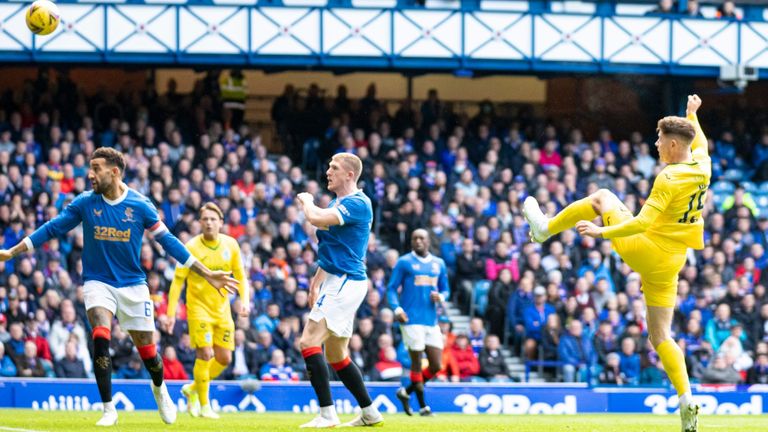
[215,369]
[674,364]
[202,377]
[567,218]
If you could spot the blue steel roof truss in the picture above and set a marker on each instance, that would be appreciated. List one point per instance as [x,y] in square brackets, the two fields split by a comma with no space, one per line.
[361,47]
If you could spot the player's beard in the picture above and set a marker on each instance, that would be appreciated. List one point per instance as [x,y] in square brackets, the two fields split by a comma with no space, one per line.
[99,187]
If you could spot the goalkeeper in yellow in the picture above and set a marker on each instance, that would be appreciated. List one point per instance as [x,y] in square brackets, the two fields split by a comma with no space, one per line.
[211,328]
[653,243]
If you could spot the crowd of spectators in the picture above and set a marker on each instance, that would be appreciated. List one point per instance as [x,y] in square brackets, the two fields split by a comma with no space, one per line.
[570,301]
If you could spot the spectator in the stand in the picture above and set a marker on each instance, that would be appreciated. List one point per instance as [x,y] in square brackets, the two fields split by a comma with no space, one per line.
[719,328]
[550,337]
[29,365]
[277,370]
[134,369]
[498,297]
[605,342]
[465,358]
[469,269]
[244,364]
[693,10]
[611,373]
[576,353]
[62,328]
[630,361]
[7,365]
[663,7]
[728,10]
[719,372]
[70,366]
[535,317]
[388,368]
[501,260]
[758,374]
[493,365]
[172,367]
[356,353]
[519,301]
[268,321]
[15,345]
[476,335]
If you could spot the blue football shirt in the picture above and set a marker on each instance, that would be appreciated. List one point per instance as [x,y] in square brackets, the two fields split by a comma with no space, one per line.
[342,247]
[418,277]
[112,233]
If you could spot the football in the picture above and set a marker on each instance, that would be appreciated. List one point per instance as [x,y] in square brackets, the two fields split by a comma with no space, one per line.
[42,17]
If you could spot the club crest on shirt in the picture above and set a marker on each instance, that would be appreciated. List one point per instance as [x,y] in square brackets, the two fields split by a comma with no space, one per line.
[435,268]
[97,213]
[129,215]
[226,254]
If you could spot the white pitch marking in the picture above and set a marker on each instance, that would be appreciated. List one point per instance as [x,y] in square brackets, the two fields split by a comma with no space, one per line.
[12,429]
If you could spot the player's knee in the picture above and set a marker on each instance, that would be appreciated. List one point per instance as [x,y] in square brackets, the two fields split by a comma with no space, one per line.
[205,354]
[435,367]
[600,198]
[307,342]
[657,337]
[224,357]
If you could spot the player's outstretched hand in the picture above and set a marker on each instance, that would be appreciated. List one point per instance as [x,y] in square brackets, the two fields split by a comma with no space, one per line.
[694,103]
[223,281]
[5,255]
[587,228]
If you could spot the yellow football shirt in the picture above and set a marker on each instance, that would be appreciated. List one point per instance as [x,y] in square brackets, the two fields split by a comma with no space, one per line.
[679,193]
[204,302]
[671,217]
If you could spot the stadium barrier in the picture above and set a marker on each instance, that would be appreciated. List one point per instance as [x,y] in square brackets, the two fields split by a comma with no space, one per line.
[231,396]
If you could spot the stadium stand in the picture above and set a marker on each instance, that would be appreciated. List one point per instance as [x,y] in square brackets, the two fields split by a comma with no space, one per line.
[569,308]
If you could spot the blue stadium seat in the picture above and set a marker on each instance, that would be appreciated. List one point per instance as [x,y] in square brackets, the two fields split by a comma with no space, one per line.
[480,296]
[733,175]
[720,197]
[763,188]
[761,200]
[723,187]
[748,186]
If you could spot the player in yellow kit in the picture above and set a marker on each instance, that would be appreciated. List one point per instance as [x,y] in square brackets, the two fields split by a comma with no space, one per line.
[653,243]
[211,328]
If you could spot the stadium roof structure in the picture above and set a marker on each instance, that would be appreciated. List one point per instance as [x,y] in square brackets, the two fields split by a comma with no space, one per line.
[350,38]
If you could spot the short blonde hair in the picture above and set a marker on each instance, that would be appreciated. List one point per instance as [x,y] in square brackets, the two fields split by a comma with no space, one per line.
[679,126]
[350,162]
[212,207]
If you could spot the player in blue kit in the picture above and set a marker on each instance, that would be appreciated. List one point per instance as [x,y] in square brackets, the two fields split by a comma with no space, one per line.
[424,281]
[336,291]
[114,218]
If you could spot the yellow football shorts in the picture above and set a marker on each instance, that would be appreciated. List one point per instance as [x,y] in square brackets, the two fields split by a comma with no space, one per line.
[203,333]
[658,268]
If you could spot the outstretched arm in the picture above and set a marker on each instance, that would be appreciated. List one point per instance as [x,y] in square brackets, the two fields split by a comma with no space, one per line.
[56,227]
[636,225]
[699,146]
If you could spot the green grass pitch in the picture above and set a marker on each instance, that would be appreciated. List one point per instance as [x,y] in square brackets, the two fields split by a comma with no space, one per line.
[146,421]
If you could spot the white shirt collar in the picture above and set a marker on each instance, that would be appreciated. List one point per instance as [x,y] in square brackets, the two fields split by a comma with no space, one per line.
[119,199]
